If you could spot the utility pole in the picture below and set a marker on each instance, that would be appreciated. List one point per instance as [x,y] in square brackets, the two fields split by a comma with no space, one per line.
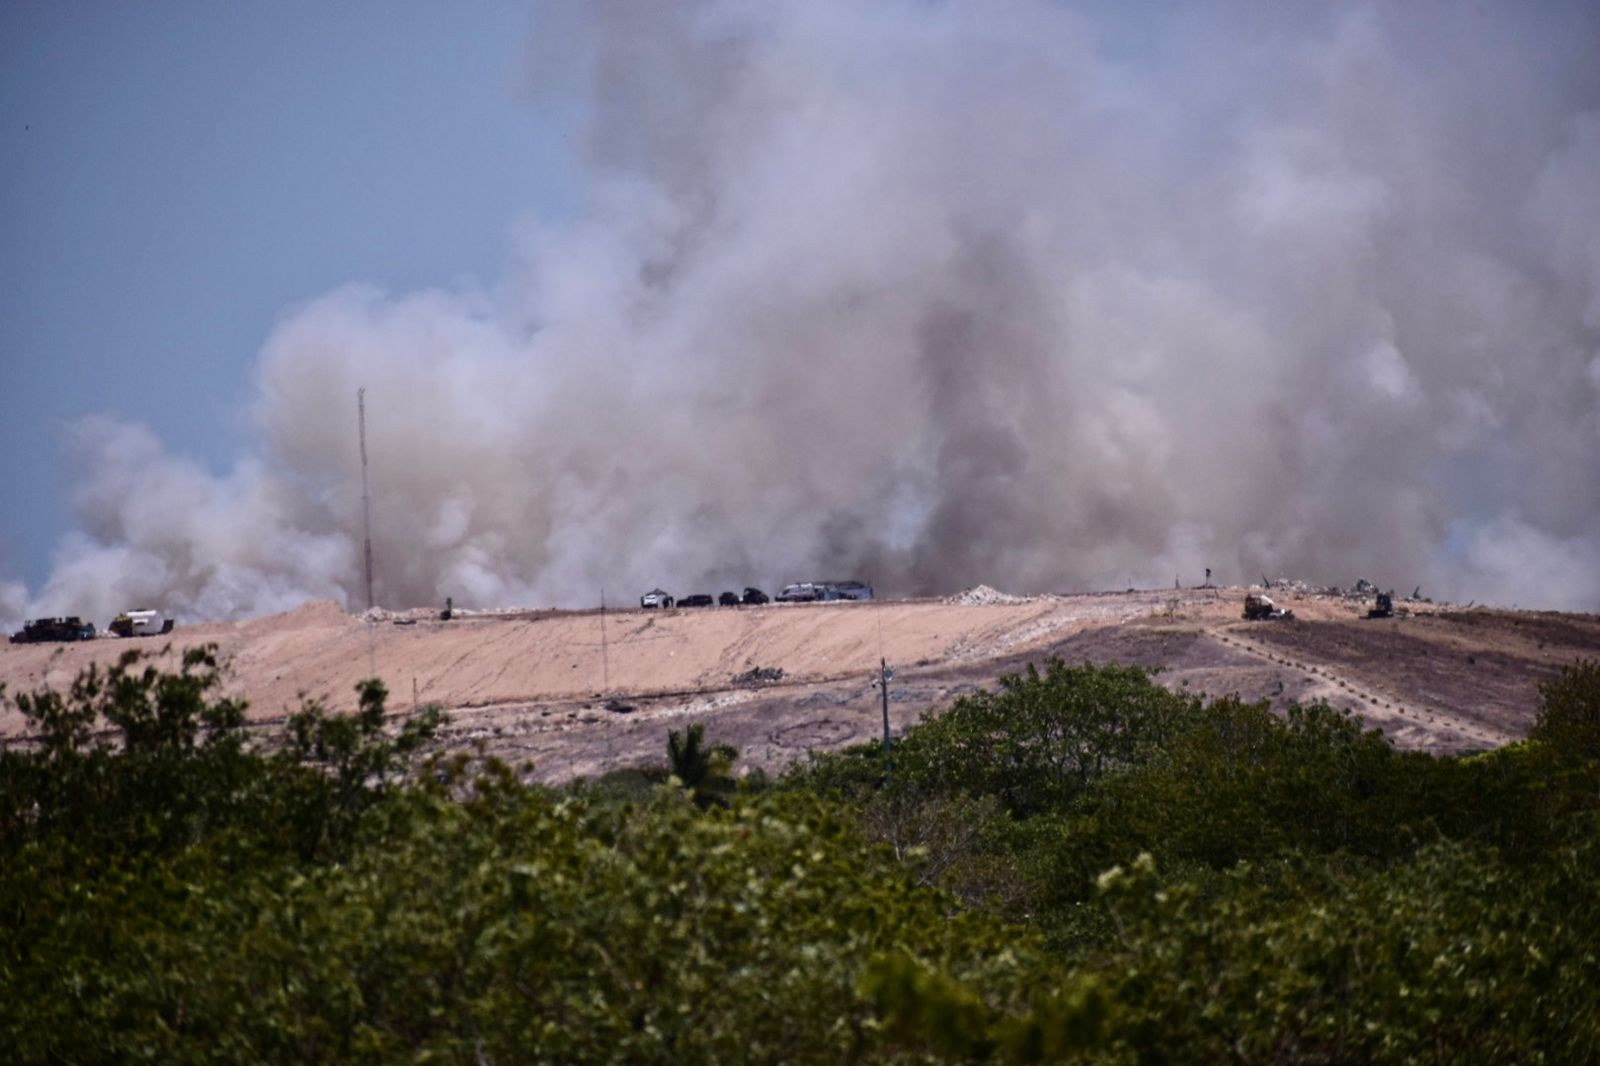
[366,498]
[885,675]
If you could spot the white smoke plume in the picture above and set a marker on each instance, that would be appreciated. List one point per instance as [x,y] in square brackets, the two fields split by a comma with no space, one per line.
[934,293]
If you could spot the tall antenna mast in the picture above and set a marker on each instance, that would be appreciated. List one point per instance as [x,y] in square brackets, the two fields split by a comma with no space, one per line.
[366,499]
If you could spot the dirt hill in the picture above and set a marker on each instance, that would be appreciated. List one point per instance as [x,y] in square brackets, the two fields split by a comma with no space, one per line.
[578,692]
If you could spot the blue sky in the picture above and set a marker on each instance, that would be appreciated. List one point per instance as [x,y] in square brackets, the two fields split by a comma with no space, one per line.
[178,175]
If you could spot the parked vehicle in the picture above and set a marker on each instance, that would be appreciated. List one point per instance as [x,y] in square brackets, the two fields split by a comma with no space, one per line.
[655,598]
[141,623]
[846,590]
[728,599]
[754,596]
[41,630]
[804,592]
[699,599]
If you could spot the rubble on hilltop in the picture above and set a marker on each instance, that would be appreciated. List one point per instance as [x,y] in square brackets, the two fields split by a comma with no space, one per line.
[984,596]
[759,675]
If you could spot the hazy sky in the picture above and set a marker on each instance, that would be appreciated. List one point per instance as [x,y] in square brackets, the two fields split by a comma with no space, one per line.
[178,175]
[1052,296]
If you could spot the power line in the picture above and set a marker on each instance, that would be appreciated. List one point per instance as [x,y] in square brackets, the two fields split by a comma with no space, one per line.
[886,675]
[605,660]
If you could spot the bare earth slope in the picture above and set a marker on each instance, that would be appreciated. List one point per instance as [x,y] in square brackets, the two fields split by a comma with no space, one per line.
[578,693]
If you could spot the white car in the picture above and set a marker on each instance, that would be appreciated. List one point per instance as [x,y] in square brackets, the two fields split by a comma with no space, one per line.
[655,598]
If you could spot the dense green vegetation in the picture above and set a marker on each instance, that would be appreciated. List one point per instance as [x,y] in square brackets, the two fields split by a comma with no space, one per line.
[1078,865]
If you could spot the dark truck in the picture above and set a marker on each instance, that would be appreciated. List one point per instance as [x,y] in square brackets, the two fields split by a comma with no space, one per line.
[43,630]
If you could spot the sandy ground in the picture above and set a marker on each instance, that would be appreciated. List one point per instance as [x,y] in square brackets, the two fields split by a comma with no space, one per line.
[577,693]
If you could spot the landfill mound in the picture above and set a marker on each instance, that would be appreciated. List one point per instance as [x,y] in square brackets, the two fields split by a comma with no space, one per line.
[551,686]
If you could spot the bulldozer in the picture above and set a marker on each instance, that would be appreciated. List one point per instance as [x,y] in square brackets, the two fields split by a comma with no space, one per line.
[1384,607]
[1259,608]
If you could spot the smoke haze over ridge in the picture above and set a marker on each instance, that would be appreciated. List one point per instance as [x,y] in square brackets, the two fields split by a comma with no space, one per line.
[945,293]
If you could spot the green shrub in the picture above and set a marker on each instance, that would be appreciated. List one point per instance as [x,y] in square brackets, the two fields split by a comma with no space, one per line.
[1132,876]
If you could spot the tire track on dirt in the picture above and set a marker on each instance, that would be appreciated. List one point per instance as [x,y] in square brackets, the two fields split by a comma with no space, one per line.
[1372,705]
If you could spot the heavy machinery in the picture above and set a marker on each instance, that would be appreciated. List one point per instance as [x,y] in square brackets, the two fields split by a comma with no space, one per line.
[1385,606]
[141,623]
[1259,607]
[40,630]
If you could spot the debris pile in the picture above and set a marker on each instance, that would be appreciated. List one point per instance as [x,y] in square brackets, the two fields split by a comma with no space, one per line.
[1361,590]
[759,675]
[983,596]
[1298,587]
[402,617]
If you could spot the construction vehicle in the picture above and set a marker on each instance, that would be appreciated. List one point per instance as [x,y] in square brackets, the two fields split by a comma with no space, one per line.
[142,623]
[1259,607]
[41,630]
[1385,606]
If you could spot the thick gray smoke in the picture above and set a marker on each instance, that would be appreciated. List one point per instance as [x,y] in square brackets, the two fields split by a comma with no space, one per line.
[933,293]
